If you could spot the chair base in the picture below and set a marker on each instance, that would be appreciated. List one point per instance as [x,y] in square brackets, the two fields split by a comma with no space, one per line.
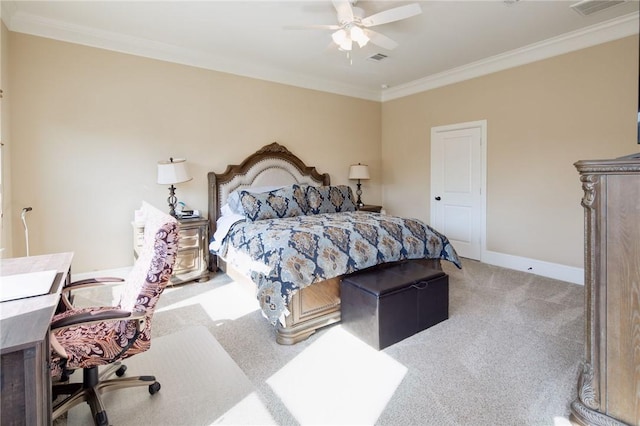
[93,386]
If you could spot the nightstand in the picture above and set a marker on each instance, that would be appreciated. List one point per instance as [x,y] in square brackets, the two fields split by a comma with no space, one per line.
[193,253]
[370,208]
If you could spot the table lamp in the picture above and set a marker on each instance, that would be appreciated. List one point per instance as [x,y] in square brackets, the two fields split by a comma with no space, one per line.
[173,172]
[359,172]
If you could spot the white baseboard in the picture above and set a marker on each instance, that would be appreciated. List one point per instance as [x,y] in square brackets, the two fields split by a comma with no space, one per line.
[546,269]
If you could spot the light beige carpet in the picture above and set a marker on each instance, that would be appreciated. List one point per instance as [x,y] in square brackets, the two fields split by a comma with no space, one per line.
[201,385]
[509,354]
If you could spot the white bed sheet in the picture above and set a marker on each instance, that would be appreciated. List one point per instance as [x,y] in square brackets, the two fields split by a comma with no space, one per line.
[223,225]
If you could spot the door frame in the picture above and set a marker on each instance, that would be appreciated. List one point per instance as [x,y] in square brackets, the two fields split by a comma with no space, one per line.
[482,124]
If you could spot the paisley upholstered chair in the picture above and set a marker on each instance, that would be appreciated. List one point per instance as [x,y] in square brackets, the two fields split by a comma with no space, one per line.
[87,338]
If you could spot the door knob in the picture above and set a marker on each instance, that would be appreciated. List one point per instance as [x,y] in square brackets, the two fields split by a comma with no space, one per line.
[438,198]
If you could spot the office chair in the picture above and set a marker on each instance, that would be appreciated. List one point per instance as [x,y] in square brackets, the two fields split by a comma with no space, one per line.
[87,338]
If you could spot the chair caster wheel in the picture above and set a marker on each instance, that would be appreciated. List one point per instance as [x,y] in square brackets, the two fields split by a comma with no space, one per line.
[154,387]
[101,419]
[120,371]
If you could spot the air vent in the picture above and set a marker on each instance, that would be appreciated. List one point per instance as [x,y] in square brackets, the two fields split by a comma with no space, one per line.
[589,7]
[378,57]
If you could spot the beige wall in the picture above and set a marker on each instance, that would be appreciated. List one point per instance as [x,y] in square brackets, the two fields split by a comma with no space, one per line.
[89,125]
[6,240]
[541,118]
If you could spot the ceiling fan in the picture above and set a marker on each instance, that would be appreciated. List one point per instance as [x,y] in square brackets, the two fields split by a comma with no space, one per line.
[354,26]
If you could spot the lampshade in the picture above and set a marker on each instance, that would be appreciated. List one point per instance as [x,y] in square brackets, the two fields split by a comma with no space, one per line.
[358,35]
[173,171]
[339,37]
[359,171]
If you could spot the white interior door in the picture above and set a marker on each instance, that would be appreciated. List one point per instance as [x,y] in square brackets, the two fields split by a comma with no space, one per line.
[458,185]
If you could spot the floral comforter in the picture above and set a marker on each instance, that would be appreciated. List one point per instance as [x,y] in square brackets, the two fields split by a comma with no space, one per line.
[284,255]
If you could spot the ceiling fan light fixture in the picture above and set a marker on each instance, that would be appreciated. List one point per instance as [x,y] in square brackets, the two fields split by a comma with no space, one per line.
[347,45]
[339,37]
[342,39]
[353,25]
[358,35]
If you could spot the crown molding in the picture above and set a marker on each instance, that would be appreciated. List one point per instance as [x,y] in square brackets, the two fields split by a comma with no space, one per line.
[601,33]
[613,29]
[48,28]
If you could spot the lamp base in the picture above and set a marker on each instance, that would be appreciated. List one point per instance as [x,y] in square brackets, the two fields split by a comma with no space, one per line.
[172,200]
[359,203]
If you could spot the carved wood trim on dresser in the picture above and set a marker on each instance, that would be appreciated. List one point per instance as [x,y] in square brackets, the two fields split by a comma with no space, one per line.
[609,384]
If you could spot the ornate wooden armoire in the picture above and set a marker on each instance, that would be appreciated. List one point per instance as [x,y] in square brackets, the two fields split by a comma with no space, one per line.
[609,384]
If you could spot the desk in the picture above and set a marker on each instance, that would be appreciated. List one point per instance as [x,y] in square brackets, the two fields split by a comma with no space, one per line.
[24,342]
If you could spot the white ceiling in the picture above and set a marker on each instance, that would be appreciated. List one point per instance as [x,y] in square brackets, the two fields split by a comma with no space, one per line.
[450,41]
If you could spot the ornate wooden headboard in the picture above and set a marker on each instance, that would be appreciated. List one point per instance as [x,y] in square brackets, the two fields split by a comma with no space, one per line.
[272,164]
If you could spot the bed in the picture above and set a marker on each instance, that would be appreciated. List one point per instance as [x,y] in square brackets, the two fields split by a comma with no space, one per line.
[297,296]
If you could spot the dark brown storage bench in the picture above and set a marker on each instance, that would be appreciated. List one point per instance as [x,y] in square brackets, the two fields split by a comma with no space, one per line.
[384,306]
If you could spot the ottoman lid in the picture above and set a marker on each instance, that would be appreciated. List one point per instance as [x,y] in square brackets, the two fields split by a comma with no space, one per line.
[387,280]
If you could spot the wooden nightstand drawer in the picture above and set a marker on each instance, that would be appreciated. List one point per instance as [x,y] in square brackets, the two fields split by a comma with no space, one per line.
[138,238]
[188,260]
[189,238]
[193,252]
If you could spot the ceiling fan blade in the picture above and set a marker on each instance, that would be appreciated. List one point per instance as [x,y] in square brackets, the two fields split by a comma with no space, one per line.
[392,15]
[381,40]
[311,27]
[344,9]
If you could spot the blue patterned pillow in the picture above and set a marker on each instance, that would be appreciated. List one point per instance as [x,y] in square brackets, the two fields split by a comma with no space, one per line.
[330,199]
[233,200]
[284,202]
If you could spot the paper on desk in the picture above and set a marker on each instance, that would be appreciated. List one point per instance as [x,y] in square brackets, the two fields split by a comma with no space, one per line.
[31,284]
